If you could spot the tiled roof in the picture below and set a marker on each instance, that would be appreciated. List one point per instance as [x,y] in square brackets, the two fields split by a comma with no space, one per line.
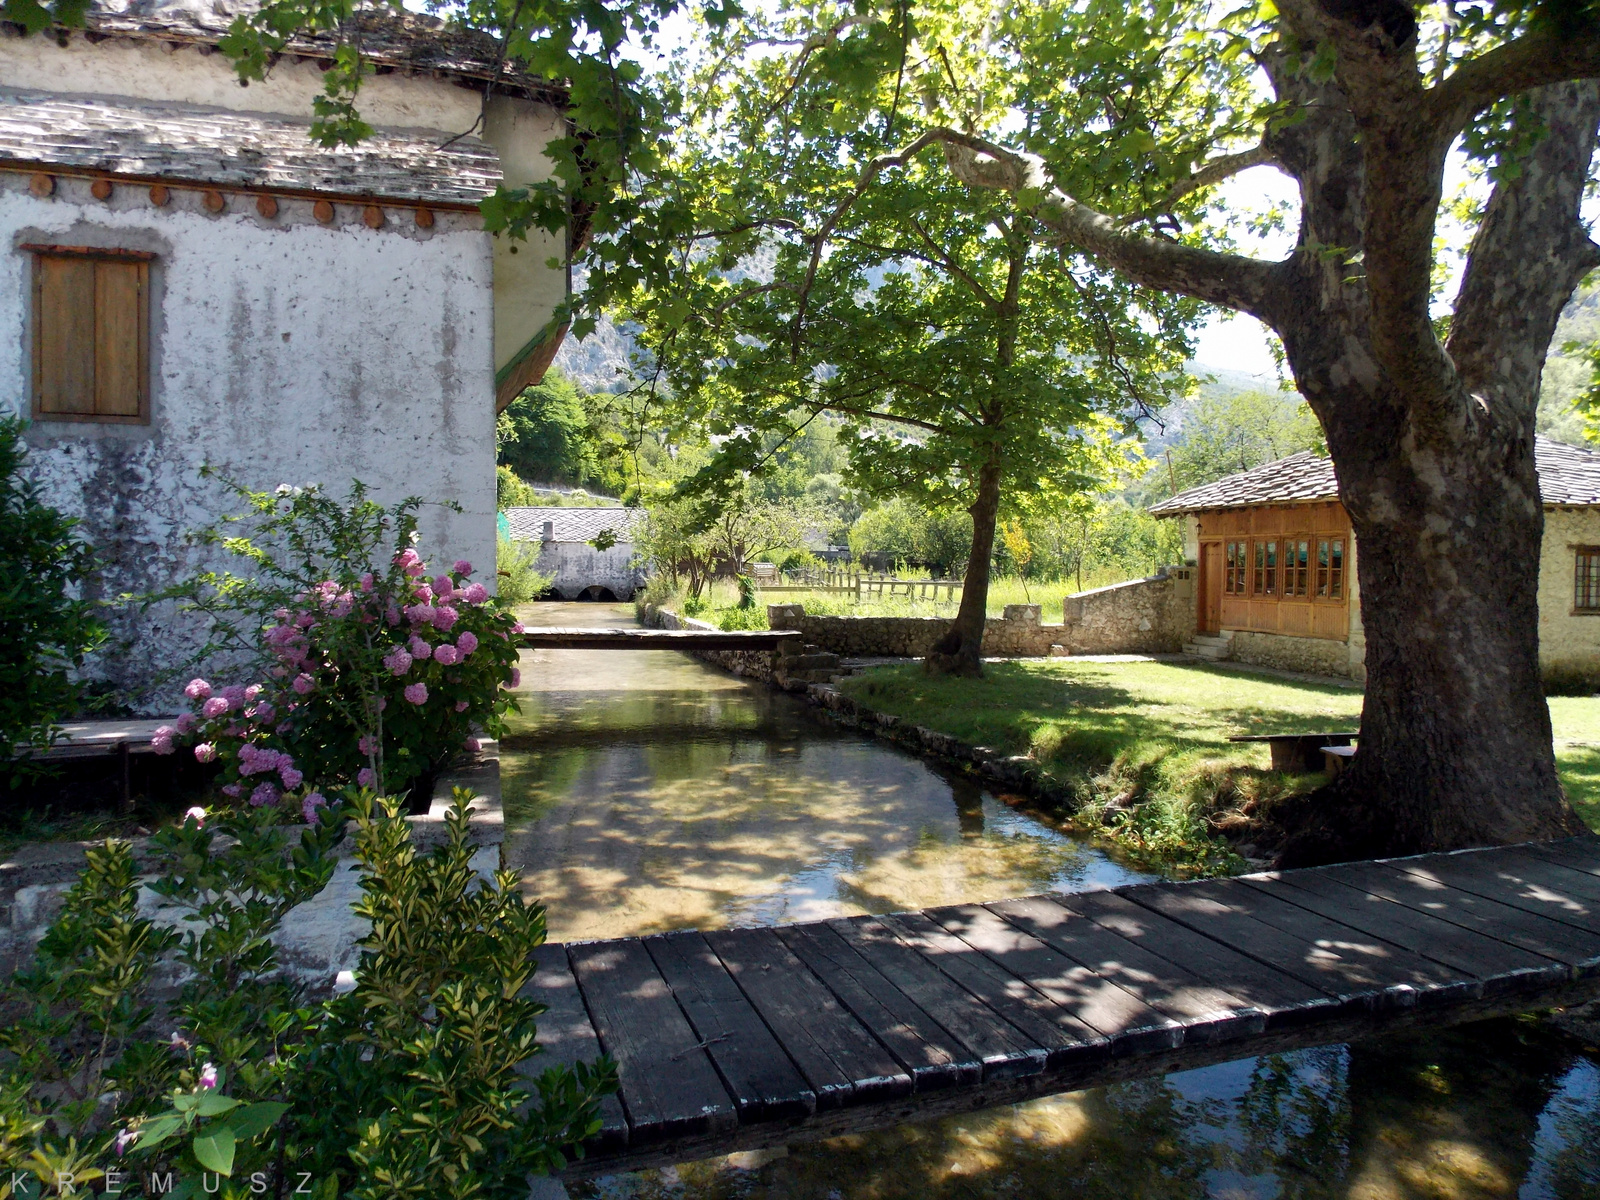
[1568,476]
[409,41]
[573,524]
[231,149]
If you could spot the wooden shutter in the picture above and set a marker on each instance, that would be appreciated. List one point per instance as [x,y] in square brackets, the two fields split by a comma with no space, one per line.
[90,334]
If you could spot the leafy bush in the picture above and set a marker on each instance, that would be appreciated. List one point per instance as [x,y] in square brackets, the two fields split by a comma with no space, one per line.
[46,624]
[368,672]
[519,582]
[406,1086]
[742,618]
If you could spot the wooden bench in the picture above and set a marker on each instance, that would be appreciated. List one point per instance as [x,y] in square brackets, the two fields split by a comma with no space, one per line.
[1298,751]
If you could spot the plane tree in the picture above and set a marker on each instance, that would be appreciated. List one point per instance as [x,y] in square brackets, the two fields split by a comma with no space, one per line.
[965,363]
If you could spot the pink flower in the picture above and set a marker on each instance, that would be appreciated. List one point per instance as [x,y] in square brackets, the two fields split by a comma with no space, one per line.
[265,793]
[309,806]
[444,617]
[466,643]
[476,594]
[398,661]
[195,814]
[367,777]
[424,594]
[473,745]
[306,619]
[251,692]
[518,627]
[417,693]
[124,1139]
[214,707]
[407,558]
[462,706]
[197,689]
[445,655]
[291,776]
[233,791]
[419,648]
[208,1077]
[392,615]
[303,684]
[383,703]
[443,586]
[366,584]
[186,723]
[463,567]
[205,752]
[161,740]
[420,614]
[367,745]
[516,677]
[263,712]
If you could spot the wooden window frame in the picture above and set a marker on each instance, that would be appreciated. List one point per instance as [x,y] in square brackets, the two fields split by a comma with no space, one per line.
[1297,569]
[142,260]
[1265,575]
[1236,554]
[1586,581]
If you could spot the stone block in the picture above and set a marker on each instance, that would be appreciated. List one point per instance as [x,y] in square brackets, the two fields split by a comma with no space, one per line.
[1022,614]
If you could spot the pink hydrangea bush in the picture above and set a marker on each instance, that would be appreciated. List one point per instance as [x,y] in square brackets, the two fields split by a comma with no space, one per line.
[366,677]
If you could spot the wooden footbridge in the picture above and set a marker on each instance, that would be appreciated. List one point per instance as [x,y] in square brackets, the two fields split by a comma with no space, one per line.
[555,637]
[741,1038]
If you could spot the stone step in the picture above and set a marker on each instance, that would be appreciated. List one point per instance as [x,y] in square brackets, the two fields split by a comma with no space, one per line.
[1210,650]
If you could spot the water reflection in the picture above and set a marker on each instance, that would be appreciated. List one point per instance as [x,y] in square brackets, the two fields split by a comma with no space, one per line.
[1494,1110]
[645,791]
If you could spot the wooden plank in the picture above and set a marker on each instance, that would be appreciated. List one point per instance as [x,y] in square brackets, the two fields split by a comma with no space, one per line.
[1002,1050]
[561,638]
[1354,966]
[1132,1025]
[1207,1012]
[1568,880]
[566,1036]
[1579,853]
[64,338]
[764,1084]
[669,1087]
[933,1057]
[1064,1039]
[1284,998]
[118,355]
[1428,893]
[841,1060]
[1473,955]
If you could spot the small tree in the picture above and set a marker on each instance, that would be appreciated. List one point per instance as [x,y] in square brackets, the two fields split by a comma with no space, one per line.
[47,624]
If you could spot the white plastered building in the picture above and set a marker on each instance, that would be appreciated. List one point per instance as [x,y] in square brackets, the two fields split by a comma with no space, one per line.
[187,279]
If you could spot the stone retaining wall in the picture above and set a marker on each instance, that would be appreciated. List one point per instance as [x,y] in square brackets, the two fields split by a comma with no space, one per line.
[316,941]
[1142,616]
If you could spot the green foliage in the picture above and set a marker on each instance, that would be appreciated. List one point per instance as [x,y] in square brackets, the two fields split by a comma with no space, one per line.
[365,665]
[550,434]
[1226,432]
[414,1087]
[742,616]
[413,1084]
[46,623]
[519,581]
[690,539]
[512,491]
[899,531]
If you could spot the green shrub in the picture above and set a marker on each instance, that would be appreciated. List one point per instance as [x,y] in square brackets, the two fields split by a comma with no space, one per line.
[407,1086]
[742,618]
[520,583]
[46,624]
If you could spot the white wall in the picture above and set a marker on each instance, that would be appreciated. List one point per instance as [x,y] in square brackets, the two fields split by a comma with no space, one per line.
[281,352]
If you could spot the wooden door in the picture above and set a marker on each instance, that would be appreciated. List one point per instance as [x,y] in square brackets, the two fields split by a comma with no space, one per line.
[1209,614]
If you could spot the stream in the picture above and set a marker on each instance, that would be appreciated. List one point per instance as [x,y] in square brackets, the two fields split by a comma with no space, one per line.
[647,791]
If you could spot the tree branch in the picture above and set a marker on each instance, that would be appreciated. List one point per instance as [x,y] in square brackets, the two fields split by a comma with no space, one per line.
[1517,66]
[1214,171]
[1230,280]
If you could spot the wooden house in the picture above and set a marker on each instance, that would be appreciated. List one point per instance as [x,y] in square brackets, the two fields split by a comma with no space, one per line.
[1277,582]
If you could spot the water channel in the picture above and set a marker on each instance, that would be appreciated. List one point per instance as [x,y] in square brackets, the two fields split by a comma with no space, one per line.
[646,791]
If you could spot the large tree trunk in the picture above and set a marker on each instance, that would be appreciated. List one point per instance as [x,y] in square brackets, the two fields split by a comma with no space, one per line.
[960,651]
[1444,500]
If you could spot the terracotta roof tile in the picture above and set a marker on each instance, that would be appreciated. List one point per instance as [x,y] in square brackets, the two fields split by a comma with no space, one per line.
[220,147]
[1568,476]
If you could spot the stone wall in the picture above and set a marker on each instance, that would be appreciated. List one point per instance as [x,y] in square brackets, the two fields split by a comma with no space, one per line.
[577,566]
[1315,656]
[1569,641]
[316,941]
[1143,616]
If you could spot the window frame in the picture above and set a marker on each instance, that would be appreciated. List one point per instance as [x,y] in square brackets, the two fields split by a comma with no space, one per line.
[1579,554]
[142,260]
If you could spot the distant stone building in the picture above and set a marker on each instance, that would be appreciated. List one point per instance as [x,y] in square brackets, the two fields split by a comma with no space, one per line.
[570,549]
[186,278]
[1277,566]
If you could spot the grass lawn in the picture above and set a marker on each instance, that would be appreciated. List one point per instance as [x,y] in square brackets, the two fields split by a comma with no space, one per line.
[1143,747]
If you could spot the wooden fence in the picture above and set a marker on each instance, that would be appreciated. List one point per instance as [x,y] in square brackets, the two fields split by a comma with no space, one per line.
[854,583]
